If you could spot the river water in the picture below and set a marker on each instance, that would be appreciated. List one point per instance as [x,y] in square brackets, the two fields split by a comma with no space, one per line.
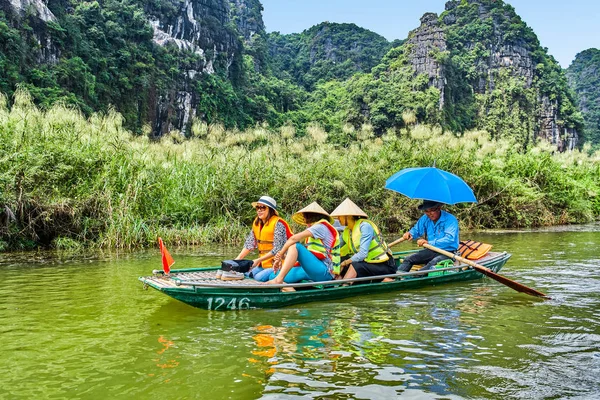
[82,327]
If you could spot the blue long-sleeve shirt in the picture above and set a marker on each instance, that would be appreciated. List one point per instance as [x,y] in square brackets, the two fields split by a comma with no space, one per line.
[366,235]
[442,234]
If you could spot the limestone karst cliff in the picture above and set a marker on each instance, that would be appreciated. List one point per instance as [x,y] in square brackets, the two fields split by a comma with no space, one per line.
[486,45]
[584,78]
[204,29]
[36,15]
[162,63]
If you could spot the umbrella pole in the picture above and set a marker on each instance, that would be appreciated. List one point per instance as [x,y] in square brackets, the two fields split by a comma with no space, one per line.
[488,272]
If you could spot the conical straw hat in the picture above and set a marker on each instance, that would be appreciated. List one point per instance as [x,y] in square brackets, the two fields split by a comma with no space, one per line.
[348,208]
[312,208]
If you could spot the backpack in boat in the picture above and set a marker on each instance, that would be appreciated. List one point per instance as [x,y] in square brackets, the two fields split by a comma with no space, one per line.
[473,250]
[236,265]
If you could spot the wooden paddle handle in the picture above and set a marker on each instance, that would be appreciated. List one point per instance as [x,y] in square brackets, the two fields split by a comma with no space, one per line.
[455,257]
[395,242]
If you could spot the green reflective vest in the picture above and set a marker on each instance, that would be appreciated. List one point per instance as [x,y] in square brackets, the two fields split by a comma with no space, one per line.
[317,247]
[378,250]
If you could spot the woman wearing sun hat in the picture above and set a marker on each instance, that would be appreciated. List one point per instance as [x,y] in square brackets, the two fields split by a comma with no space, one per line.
[319,257]
[269,233]
[363,243]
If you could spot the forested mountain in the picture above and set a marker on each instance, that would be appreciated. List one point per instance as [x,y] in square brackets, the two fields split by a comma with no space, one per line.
[478,65]
[584,78]
[163,63]
[324,52]
[160,62]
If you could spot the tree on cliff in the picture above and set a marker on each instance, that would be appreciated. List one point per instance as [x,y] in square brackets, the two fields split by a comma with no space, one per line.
[584,78]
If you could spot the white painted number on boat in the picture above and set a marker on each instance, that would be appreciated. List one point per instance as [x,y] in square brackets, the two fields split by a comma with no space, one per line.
[219,302]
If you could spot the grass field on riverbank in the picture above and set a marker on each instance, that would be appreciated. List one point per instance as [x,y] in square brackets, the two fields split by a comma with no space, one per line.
[66,180]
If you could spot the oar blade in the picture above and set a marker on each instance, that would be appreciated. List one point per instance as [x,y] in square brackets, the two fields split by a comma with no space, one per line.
[486,271]
[510,283]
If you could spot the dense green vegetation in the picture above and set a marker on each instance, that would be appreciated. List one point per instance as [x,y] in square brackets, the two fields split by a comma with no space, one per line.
[325,52]
[333,74]
[507,108]
[388,97]
[477,94]
[107,59]
[584,78]
[68,180]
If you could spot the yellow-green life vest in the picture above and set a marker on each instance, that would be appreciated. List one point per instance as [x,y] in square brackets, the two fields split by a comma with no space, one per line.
[378,250]
[319,249]
[345,249]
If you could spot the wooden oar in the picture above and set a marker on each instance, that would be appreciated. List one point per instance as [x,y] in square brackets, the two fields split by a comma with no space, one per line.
[395,242]
[486,271]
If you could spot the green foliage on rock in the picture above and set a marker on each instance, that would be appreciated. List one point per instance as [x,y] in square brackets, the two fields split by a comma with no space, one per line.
[508,109]
[584,78]
[378,98]
[483,30]
[325,52]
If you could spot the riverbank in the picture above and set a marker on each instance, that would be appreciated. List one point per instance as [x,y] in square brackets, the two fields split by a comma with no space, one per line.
[69,181]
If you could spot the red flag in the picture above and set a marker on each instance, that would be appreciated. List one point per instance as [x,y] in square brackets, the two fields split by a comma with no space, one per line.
[167,260]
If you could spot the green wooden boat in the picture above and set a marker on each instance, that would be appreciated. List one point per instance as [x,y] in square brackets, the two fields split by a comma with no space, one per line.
[200,287]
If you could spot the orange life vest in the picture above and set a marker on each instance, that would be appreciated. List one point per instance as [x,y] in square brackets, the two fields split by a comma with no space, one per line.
[264,237]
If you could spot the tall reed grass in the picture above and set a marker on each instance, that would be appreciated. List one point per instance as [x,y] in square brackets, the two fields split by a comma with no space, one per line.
[65,179]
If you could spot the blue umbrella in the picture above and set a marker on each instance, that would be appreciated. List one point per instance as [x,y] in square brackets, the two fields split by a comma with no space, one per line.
[430,183]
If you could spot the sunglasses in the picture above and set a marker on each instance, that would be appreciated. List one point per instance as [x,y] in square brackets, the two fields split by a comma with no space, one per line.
[260,208]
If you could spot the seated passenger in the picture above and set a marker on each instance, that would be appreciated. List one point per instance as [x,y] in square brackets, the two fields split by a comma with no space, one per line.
[269,233]
[318,258]
[362,243]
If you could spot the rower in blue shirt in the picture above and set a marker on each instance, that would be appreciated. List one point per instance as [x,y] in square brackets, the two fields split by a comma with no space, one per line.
[440,229]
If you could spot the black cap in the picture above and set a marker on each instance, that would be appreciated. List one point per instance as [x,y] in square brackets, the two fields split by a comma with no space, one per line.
[427,204]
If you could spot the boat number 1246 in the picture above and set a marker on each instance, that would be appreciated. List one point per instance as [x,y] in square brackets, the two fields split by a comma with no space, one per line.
[221,303]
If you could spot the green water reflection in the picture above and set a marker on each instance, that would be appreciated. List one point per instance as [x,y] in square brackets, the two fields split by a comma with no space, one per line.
[82,327]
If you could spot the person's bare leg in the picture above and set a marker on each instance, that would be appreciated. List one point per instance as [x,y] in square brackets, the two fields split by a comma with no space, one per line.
[351,273]
[290,259]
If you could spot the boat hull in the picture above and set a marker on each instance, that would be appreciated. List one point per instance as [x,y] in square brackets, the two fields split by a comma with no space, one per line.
[213,294]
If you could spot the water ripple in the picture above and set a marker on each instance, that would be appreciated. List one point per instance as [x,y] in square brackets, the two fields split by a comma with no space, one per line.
[82,327]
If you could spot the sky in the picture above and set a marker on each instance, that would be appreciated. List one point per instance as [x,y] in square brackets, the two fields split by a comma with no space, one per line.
[565,27]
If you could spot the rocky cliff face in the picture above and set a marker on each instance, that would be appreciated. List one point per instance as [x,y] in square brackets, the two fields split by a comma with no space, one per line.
[36,8]
[584,79]
[247,15]
[515,56]
[204,28]
[199,27]
[36,14]
[493,48]
[426,41]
